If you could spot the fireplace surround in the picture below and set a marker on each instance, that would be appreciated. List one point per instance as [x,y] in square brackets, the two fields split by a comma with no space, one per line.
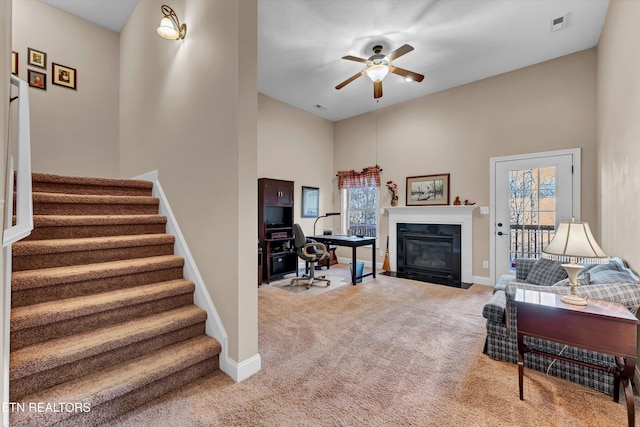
[461,216]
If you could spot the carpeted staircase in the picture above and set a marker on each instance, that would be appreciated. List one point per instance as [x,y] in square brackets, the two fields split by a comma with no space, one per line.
[102,320]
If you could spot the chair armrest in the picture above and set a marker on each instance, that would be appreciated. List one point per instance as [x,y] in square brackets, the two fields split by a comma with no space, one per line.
[494,310]
[320,251]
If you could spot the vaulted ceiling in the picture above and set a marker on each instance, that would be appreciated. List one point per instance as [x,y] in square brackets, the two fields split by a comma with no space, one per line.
[301,43]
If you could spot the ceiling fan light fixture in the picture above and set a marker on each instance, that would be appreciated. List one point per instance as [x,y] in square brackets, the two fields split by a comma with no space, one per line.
[377,72]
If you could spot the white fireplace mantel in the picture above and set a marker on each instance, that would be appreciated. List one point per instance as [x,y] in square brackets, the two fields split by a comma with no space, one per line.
[452,215]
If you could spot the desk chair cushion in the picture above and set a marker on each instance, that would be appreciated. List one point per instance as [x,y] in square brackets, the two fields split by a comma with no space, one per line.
[311,249]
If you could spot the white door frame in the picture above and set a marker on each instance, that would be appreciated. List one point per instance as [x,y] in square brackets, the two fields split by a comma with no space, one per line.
[575,152]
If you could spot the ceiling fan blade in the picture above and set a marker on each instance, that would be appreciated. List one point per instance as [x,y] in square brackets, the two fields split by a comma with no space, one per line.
[405,48]
[355,58]
[349,80]
[377,89]
[406,73]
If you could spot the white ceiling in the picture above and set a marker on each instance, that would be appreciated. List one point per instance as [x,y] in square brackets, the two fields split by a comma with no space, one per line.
[301,43]
[110,14]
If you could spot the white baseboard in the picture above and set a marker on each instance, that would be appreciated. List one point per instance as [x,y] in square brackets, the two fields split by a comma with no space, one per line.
[482,280]
[479,280]
[243,370]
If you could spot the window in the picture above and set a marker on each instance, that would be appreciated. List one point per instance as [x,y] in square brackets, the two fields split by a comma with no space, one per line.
[532,202]
[360,211]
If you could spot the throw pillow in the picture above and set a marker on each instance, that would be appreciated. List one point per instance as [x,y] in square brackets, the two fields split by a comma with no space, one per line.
[546,272]
[584,279]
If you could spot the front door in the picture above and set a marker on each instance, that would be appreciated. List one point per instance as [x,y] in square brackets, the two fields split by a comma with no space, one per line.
[531,195]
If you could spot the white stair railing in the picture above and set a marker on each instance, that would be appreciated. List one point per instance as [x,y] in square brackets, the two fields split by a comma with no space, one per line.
[24,202]
[23,213]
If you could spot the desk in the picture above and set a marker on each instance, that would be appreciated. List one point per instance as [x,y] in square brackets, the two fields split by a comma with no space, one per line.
[353,242]
[602,326]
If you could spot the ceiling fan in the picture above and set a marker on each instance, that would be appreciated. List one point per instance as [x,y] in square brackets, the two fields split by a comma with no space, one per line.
[378,66]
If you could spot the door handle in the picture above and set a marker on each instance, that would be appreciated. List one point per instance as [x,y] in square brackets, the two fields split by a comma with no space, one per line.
[499,224]
[500,233]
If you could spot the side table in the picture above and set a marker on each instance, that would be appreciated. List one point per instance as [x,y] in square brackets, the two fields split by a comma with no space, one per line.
[602,326]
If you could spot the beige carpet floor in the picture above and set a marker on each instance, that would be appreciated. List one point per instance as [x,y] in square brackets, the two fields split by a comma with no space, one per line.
[387,352]
[336,276]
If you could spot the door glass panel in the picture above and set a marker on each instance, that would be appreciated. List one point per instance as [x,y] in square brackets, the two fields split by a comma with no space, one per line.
[532,206]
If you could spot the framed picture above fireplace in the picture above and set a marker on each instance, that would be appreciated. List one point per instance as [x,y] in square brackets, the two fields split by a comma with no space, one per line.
[428,190]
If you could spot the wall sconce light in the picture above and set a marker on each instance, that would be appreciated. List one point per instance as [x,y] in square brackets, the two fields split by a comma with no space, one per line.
[170,27]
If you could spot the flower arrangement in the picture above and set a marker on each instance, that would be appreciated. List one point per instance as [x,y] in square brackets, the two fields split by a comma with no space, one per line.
[393,188]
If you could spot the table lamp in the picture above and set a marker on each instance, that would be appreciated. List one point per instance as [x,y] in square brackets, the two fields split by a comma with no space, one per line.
[323,216]
[574,244]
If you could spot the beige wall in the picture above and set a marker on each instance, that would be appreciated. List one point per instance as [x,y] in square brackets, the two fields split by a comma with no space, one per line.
[189,109]
[297,146]
[544,107]
[618,133]
[73,132]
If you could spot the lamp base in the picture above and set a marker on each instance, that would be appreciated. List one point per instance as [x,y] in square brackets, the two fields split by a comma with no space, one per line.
[572,271]
[574,300]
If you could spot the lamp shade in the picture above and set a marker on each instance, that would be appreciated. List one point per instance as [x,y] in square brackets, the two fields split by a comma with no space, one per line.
[167,29]
[377,72]
[574,243]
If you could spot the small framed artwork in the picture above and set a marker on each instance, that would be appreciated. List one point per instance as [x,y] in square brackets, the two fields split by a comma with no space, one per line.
[37,79]
[14,63]
[428,190]
[36,58]
[310,201]
[63,75]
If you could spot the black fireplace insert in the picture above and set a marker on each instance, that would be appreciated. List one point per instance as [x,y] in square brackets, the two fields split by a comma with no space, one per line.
[430,253]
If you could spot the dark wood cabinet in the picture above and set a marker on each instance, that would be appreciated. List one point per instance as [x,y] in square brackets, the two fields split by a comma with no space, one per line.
[275,228]
[277,192]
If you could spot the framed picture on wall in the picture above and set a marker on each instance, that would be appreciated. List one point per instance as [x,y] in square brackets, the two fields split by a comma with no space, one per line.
[14,63]
[64,76]
[428,190]
[37,79]
[36,58]
[310,202]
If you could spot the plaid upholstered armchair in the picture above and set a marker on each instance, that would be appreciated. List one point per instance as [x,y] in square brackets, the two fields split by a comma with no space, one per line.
[611,282]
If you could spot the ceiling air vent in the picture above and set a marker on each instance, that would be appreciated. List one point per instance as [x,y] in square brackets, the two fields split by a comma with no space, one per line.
[559,23]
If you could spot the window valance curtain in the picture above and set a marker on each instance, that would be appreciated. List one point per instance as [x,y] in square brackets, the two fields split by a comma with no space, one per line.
[369,177]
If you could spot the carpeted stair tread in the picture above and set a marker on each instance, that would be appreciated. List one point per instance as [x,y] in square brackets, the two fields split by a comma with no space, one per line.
[91,204]
[40,254]
[86,220]
[40,247]
[85,185]
[29,279]
[56,311]
[80,226]
[54,353]
[92,199]
[118,381]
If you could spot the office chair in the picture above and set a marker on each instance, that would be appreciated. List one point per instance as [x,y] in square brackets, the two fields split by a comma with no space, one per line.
[311,252]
